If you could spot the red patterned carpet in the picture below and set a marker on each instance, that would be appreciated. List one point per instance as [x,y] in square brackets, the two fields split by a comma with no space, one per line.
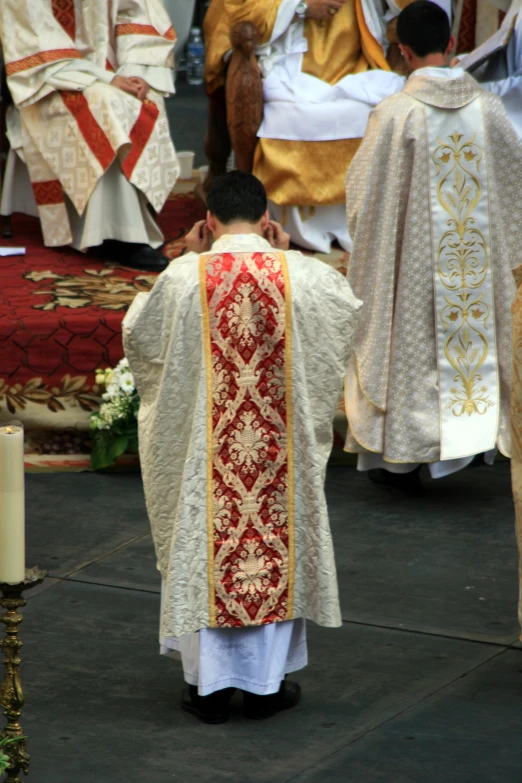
[60,320]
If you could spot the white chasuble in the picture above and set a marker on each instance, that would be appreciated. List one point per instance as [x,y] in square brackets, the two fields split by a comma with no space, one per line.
[239,357]
[463,281]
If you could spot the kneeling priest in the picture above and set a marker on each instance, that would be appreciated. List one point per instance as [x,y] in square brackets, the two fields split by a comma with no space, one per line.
[239,354]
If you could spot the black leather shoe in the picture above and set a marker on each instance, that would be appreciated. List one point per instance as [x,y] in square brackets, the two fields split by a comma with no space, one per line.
[409,484]
[208,709]
[132,255]
[146,258]
[261,707]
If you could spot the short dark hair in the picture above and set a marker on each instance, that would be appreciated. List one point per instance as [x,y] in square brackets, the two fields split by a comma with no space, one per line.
[424,27]
[237,196]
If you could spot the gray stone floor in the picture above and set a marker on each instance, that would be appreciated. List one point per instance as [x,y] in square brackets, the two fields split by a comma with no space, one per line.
[422,684]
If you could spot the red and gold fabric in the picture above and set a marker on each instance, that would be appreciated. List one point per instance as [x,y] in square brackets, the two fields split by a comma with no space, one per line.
[247,335]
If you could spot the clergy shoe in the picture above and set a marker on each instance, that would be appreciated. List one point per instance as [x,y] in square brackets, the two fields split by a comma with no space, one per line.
[409,484]
[133,255]
[208,709]
[146,258]
[260,707]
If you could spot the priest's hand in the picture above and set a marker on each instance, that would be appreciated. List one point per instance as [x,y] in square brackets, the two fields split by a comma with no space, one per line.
[141,84]
[323,9]
[278,238]
[199,239]
[125,84]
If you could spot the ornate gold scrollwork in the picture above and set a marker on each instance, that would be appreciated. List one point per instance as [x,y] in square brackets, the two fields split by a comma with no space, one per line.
[463,266]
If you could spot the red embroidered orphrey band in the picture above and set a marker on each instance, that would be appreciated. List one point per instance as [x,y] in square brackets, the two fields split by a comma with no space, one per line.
[63,11]
[40,59]
[93,134]
[144,29]
[140,134]
[47,193]
[247,332]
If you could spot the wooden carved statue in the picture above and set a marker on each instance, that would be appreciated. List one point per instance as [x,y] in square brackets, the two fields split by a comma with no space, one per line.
[395,58]
[244,94]
[235,111]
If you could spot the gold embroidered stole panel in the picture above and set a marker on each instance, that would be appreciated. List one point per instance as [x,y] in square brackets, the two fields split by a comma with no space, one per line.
[247,334]
[463,281]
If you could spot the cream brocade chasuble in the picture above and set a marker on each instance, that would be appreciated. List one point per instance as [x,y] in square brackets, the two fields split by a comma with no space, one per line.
[434,244]
[69,138]
[239,357]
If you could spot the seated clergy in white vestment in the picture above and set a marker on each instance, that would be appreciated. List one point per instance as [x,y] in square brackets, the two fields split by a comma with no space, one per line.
[497,64]
[433,201]
[88,121]
[239,354]
[324,68]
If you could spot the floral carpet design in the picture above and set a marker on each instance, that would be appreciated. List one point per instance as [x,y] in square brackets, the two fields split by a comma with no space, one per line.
[95,288]
[60,320]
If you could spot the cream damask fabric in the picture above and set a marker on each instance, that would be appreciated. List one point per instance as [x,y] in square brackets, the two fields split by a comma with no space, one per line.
[164,343]
[69,123]
[392,389]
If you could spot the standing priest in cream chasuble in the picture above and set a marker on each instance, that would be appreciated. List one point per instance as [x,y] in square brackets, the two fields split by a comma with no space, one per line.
[433,200]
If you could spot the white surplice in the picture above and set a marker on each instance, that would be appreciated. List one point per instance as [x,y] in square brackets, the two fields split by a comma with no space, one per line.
[501,74]
[252,659]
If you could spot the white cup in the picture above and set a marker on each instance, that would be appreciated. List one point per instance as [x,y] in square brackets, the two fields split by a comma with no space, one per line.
[203,171]
[186,162]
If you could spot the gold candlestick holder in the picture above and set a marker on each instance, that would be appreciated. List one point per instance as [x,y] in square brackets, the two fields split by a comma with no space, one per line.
[11,694]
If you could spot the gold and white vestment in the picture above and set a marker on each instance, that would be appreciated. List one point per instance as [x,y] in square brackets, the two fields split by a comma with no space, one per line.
[432,202]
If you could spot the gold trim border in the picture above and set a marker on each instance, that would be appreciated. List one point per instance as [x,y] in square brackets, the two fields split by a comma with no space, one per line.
[203,260]
[289,436]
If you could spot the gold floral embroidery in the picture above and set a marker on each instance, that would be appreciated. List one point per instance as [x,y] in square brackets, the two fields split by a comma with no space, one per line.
[247,328]
[251,573]
[463,269]
[248,444]
[246,316]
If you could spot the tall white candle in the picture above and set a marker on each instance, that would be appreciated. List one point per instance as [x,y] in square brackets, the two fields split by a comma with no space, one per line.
[12,505]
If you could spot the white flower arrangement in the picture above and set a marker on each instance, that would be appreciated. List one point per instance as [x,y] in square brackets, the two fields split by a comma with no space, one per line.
[115,427]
